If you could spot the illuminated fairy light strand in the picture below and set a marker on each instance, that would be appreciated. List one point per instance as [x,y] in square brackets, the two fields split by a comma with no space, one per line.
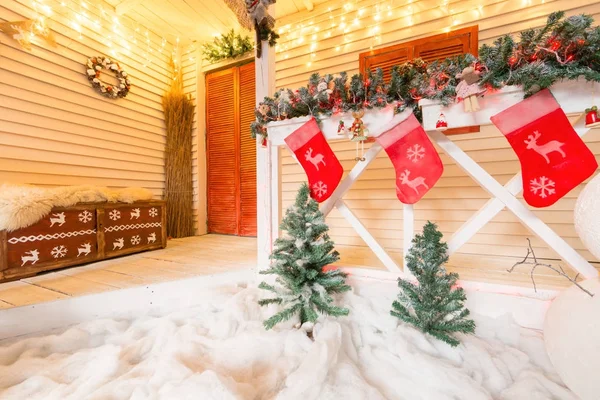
[81,15]
[351,18]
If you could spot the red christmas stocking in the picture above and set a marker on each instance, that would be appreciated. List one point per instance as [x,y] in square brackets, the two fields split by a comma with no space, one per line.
[322,167]
[417,163]
[553,157]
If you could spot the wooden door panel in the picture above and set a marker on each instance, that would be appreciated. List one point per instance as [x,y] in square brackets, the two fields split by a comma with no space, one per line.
[248,152]
[221,153]
[231,152]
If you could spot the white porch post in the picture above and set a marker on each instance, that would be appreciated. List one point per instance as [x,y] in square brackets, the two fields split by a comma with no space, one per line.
[267,171]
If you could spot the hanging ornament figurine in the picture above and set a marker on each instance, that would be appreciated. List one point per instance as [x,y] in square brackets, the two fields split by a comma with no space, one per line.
[468,89]
[591,117]
[359,133]
[258,10]
[441,124]
[341,128]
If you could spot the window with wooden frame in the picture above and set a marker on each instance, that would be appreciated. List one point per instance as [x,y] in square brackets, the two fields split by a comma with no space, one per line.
[429,49]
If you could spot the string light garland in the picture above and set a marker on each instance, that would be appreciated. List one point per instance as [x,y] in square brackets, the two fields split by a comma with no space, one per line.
[121,36]
[342,24]
[565,48]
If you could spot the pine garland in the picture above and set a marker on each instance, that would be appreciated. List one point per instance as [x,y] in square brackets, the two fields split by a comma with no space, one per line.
[303,288]
[565,48]
[434,306]
[229,45]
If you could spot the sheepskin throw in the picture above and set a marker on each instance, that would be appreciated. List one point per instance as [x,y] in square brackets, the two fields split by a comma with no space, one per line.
[23,205]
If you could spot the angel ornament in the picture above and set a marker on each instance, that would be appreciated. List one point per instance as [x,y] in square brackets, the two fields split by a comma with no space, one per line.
[359,133]
[468,89]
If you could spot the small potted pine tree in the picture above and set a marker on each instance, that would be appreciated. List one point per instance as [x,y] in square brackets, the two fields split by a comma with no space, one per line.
[302,286]
[435,305]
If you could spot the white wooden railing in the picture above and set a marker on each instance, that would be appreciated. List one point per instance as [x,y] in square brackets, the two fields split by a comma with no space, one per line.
[573,96]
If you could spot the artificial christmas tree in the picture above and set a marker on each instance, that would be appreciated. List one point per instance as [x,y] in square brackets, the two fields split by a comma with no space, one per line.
[434,306]
[302,286]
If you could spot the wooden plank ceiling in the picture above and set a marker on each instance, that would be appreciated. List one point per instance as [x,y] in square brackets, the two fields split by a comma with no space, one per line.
[194,20]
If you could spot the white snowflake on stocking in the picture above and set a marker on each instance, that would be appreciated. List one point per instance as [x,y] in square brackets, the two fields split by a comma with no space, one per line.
[153,212]
[136,240]
[59,252]
[115,215]
[415,153]
[542,186]
[85,216]
[319,189]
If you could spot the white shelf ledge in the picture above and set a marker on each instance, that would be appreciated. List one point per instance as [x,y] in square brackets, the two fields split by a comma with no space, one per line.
[573,97]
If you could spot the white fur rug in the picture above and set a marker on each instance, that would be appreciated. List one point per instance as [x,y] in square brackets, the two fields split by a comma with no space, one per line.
[23,205]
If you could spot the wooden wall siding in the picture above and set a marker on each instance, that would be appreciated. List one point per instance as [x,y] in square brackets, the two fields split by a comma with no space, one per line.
[56,130]
[456,196]
[190,83]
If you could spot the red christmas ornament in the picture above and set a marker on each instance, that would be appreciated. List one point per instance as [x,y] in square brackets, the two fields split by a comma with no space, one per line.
[441,124]
[591,117]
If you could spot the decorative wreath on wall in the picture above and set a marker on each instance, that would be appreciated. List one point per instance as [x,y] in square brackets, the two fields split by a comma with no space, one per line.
[96,65]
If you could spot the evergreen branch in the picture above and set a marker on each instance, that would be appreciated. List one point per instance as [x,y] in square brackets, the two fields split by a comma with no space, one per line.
[266,302]
[282,316]
[229,45]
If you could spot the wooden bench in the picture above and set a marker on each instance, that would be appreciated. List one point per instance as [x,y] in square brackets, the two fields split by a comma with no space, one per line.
[81,234]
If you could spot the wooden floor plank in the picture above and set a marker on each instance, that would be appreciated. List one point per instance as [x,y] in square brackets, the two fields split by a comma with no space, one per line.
[25,294]
[4,304]
[151,274]
[69,285]
[111,278]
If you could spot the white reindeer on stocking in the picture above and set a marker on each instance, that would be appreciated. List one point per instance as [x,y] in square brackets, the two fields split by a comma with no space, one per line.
[413,184]
[135,213]
[33,257]
[58,219]
[316,160]
[544,149]
[152,238]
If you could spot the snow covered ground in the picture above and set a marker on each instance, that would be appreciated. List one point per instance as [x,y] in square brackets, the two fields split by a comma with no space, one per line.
[220,351]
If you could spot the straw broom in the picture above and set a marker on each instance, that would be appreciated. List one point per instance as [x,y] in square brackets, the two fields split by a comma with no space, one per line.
[179,118]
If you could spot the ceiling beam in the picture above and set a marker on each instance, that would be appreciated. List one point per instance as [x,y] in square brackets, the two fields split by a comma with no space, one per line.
[309,5]
[126,5]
